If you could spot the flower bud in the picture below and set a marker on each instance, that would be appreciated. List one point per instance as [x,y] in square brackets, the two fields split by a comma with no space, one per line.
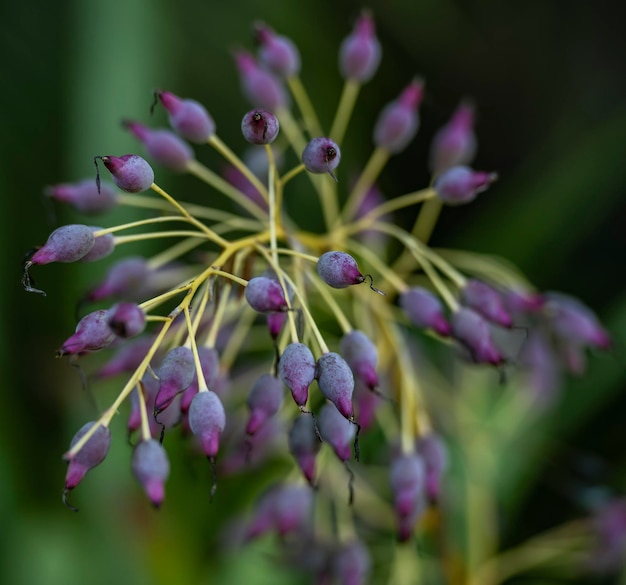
[339,270]
[486,301]
[188,117]
[459,185]
[472,331]
[264,401]
[92,333]
[259,127]
[407,476]
[265,295]
[398,122]
[277,52]
[151,468]
[455,143]
[163,146]
[336,430]
[207,420]
[321,155]
[127,358]
[425,310]
[259,86]
[103,246]
[68,243]
[361,354]
[435,458]
[175,374]
[91,454]
[351,563]
[336,382]
[84,195]
[297,370]
[127,319]
[126,279]
[130,172]
[304,444]
[360,52]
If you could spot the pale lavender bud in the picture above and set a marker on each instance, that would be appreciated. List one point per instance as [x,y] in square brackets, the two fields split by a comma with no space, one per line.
[84,195]
[130,172]
[277,52]
[92,334]
[472,330]
[321,155]
[259,127]
[296,368]
[304,444]
[398,122]
[424,309]
[435,458]
[265,295]
[127,358]
[362,357]
[90,455]
[455,143]
[339,270]
[125,279]
[68,243]
[188,117]
[407,479]
[542,368]
[360,52]
[336,382]
[366,403]
[264,401]
[163,146]
[336,430]
[176,374]
[207,420]
[459,185]
[259,86]
[487,301]
[127,319]
[151,468]
[293,508]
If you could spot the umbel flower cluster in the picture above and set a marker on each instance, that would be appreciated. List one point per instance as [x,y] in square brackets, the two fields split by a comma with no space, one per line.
[334,315]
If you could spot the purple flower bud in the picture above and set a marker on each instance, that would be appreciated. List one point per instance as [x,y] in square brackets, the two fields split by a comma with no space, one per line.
[265,295]
[339,270]
[176,374]
[188,117]
[435,458]
[407,478]
[130,172]
[360,52]
[127,319]
[163,146]
[459,185]
[336,382]
[92,333]
[275,322]
[472,331]
[304,444]
[297,370]
[68,243]
[92,453]
[125,279]
[151,468]
[277,52]
[259,86]
[573,321]
[207,420]
[542,368]
[352,563]
[259,127]
[336,430]
[398,122]
[362,357]
[487,301]
[127,358]
[455,143]
[84,195]
[321,155]
[103,246]
[264,401]
[366,403]
[425,310]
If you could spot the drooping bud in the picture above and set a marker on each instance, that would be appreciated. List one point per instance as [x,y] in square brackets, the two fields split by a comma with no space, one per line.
[176,373]
[151,468]
[472,330]
[297,370]
[265,295]
[91,454]
[275,322]
[366,403]
[424,309]
[277,52]
[459,185]
[163,146]
[455,143]
[84,195]
[188,117]
[127,319]
[260,87]
[130,172]
[398,122]
[207,420]
[360,52]
[336,430]
[259,127]
[321,155]
[92,333]
[361,354]
[336,382]
[407,479]
[486,301]
[264,401]
[68,243]
[304,444]
[435,458]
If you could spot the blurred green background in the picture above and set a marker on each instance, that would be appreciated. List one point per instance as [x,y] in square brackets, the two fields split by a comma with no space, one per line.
[549,81]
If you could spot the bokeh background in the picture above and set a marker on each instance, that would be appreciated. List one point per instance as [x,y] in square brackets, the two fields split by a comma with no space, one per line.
[549,81]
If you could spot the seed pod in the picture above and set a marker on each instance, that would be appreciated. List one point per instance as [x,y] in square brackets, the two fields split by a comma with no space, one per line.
[460,184]
[336,430]
[360,52]
[265,295]
[424,309]
[163,146]
[297,370]
[84,195]
[151,467]
[92,333]
[130,172]
[175,374]
[304,444]
[486,301]
[68,243]
[264,401]
[127,319]
[321,155]
[339,270]
[361,354]
[188,117]
[259,127]
[207,420]
[336,382]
